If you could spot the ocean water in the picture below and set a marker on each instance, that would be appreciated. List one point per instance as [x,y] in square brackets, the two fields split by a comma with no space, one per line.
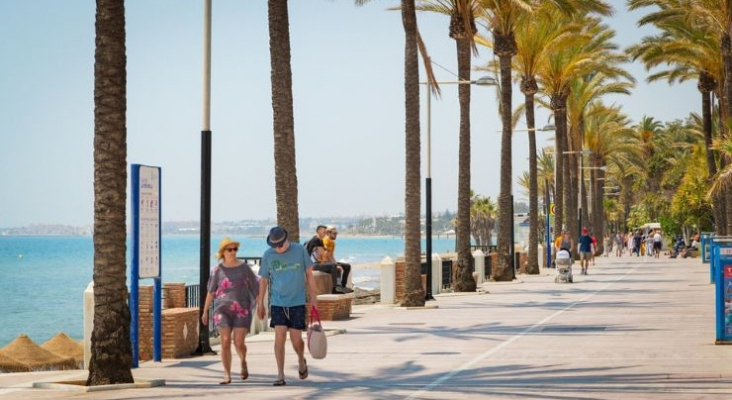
[42,279]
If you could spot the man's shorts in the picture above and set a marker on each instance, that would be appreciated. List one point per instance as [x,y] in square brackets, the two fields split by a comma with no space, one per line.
[585,255]
[291,317]
[657,246]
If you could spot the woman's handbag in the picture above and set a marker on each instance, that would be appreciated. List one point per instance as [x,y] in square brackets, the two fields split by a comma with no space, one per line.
[317,342]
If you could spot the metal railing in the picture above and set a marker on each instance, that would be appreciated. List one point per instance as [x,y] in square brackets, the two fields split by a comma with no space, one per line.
[193,295]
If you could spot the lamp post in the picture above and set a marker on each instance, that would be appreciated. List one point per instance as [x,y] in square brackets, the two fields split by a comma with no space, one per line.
[482,81]
[204,346]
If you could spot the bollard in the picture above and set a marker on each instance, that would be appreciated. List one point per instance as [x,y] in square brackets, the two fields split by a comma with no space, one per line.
[436,273]
[479,258]
[88,322]
[388,281]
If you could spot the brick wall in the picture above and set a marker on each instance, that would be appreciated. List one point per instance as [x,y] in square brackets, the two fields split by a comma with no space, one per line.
[179,325]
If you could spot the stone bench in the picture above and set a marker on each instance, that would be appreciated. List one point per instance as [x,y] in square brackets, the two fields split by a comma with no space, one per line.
[330,306]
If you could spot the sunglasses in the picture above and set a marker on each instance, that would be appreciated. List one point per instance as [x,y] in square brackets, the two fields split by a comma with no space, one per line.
[232,249]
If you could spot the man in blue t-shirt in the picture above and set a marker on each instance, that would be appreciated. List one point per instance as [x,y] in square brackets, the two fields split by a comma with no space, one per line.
[287,265]
[586,250]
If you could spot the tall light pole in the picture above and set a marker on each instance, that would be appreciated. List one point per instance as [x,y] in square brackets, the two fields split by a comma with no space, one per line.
[483,81]
[204,346]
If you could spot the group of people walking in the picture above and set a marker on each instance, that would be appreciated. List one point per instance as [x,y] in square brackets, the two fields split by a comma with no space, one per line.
[637,243]
[236,293]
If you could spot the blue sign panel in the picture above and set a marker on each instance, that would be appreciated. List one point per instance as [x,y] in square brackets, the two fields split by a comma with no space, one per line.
[146,252]
[722,257]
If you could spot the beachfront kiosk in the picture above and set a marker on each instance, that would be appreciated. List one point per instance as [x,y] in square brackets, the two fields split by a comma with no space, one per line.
[721,261]
[146,253]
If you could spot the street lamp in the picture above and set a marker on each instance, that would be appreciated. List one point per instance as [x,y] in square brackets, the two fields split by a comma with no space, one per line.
[482,81]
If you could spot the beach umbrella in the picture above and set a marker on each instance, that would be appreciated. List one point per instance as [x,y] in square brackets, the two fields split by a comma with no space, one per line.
[64,346]
[36,357]
[8,364]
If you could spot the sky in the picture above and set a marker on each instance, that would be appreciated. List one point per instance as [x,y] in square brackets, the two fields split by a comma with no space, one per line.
[347,65]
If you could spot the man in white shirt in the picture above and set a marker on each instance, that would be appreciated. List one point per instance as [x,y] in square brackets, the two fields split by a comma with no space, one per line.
[657,243]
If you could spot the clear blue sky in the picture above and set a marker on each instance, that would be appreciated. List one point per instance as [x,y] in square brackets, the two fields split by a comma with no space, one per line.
[347,67]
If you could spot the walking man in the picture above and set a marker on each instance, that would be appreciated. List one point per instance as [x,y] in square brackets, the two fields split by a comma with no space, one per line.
[288,266]
[586,250]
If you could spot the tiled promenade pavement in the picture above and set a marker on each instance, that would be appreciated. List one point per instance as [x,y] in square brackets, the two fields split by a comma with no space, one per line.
[634,328]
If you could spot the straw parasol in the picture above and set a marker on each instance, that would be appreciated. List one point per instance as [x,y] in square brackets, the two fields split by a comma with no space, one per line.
[36,357]
[64,346]
[8,364]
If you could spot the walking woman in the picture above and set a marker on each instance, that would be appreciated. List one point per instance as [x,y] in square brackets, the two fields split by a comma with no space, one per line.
[233,288]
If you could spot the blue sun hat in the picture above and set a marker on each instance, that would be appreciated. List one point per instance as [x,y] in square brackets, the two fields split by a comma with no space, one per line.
[277,237]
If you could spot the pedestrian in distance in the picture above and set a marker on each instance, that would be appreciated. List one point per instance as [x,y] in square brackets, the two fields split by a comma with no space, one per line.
[586,249]
[233,288]
[288,267]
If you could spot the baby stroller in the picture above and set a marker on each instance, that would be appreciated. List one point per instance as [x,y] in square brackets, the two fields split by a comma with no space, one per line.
[564,266]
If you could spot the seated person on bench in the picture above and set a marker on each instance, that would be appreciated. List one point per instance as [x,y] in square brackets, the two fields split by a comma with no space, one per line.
[318,257]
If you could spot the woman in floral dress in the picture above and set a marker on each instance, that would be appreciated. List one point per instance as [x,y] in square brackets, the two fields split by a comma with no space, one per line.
[233,288]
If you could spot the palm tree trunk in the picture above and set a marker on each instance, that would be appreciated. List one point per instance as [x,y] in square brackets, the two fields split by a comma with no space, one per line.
[558,172]
[111,350]
[464,281]
[413,293]
[533,262]
[559,106]
[504,272]
[282,119]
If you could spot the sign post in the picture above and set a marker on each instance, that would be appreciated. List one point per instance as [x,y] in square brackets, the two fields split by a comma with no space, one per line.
[722,258]
[146,252]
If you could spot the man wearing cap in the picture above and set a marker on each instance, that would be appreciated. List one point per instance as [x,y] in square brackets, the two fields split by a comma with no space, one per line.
[586,250]
[287,266]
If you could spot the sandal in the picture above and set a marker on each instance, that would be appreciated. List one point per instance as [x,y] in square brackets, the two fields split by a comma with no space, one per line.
[279,382]
[226,381]
[304,373]
[244,372]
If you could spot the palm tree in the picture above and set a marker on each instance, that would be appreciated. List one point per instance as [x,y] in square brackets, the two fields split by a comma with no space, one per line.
[414,295]
[690,53]
[607,132]
[282,118]
[533,38]
[502,17]
[482,219]
[462,28]
[111,350]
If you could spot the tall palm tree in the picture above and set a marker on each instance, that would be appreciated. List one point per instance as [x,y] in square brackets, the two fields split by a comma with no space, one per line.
[414,295]
[584,91]
[607,132]
[533,38]
[111,350]
[501,17]
[462,28]
[690,52]
[282,118]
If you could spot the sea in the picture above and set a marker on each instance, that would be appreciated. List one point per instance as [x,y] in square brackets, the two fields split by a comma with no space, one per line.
[42,279]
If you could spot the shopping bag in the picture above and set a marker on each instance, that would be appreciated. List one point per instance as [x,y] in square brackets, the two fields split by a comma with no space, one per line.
[317,342]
